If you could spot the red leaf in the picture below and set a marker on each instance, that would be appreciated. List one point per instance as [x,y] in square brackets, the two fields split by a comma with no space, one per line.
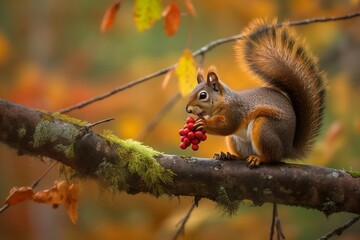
[109,17]
[171,19]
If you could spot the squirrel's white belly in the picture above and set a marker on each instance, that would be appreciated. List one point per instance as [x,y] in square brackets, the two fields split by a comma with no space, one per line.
[243,140]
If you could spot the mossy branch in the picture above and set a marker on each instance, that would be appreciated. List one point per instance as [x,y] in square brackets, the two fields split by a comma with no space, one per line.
[129,166]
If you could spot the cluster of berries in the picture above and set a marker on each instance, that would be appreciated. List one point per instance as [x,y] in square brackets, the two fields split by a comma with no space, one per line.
[190,135]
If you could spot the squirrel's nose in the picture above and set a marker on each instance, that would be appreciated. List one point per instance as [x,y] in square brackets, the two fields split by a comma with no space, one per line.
[188,109]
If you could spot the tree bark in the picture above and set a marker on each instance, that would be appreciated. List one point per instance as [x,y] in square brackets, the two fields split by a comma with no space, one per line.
[325,189]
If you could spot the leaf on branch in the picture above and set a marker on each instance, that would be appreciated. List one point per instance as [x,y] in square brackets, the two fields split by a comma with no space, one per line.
[190,7]
[186,72]
[60,193]
[18,195]
[171,16]
[167,78]
[146,12]
[72,201]
[109,17]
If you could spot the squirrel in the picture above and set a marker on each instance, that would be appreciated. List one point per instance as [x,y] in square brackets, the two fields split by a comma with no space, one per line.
[271,123]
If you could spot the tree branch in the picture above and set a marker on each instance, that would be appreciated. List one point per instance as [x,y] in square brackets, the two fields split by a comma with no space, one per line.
[324,189]
[201,51]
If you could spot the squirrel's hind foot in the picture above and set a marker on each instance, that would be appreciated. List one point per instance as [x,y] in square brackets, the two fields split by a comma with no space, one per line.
[254,161]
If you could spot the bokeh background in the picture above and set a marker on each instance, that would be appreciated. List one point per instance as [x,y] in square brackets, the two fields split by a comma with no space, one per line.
[52,55]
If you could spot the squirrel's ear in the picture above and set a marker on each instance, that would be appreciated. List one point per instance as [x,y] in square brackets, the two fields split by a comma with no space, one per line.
[213,80]
[200,76]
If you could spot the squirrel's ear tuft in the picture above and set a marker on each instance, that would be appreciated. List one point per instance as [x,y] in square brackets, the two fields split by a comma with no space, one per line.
[213,80]
[200,76]
[212,77]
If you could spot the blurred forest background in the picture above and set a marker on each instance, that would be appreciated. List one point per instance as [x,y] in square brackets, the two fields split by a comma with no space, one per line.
[53,55]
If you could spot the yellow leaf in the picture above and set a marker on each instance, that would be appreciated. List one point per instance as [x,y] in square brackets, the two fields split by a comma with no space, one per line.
[146,12]
[186,72]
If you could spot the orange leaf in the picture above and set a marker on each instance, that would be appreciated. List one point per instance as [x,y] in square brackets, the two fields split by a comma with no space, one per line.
[72,201]
[167,79]
[190,8]
[186,72]
[109,17]
[55,195]
[18,195]
[171,19]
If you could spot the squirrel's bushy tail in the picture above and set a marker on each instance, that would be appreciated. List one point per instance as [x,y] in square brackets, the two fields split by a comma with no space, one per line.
[283,61]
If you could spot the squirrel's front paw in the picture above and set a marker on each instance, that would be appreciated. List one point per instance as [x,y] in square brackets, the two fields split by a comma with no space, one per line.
[225,156]
[199,124]
[254,161]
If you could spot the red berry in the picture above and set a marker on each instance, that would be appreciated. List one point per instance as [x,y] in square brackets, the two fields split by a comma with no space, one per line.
[186,131]
[195,147]
[183,145]
[190,126]
[182,138]
[191,135]
[199,134]
[186,141]
[204,137]
[195,141]
[190,120]
[181,132]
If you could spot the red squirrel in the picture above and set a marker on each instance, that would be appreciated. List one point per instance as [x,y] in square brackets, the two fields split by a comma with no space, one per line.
[271,123]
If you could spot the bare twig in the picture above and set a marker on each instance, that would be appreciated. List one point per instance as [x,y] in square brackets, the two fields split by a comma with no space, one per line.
[338,231]
[154,122]
[184,220]
[91,125]
[116,90]
[33,185]
[276,223]
[200,51]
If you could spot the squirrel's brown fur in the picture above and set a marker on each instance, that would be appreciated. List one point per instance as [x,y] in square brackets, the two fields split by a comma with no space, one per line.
[280,120]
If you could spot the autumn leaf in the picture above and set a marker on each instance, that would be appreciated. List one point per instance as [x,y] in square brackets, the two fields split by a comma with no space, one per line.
[60,193]
[146,12]
[167,79]
[54,196]
[18,195]
[109,17]
[72,201]
[190,7]
[171,19]
[186,72]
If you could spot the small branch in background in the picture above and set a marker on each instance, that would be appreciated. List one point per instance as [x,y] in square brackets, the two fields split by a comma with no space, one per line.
[157,118]
[33,185]
[276,224]
[91,125]
[183,221]
[116,90]
[201,51]
[338,231]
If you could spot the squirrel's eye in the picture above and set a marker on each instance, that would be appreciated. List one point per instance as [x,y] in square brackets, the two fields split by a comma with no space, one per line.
[203,95]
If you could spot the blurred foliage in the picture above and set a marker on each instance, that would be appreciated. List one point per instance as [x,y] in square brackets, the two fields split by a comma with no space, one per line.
[52,55]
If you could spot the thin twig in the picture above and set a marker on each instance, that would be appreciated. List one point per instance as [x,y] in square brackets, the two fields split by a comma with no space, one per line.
[91,125]
[33,185]
[36,182]
[276,223]
[118,89]
[338,231]
[200,51]
[184,220]
[157,118]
